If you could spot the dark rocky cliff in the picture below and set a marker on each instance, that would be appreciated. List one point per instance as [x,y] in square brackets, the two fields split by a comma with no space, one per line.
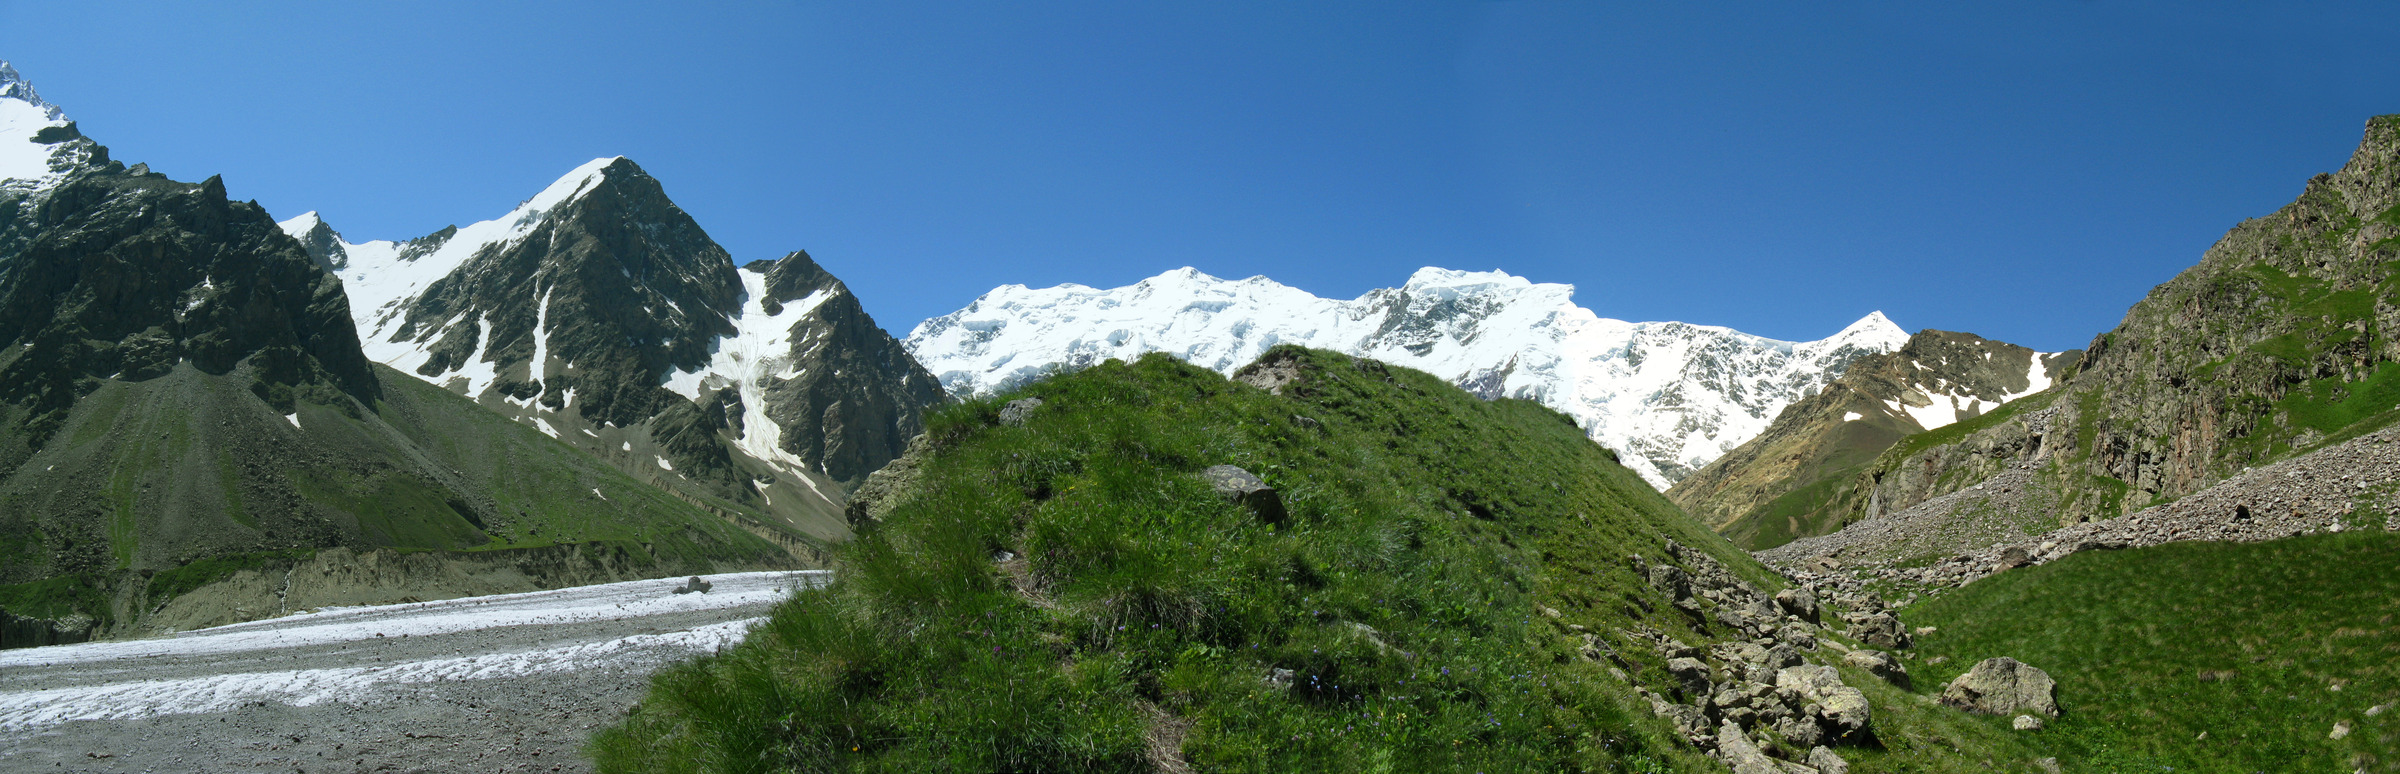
[859,396]
[2284,338]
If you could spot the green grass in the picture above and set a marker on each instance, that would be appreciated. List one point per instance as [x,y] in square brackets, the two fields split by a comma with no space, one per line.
[2330,405]
[1773,524]
[392,508]
[56,597]
[1435,520]
[2152,647]
[181,580]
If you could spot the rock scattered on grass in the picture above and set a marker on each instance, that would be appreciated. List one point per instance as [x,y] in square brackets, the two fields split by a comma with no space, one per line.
[1246,490]
[1016,411]
[1999,686]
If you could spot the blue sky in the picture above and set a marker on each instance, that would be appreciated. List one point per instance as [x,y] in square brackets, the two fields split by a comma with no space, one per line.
[2024,173]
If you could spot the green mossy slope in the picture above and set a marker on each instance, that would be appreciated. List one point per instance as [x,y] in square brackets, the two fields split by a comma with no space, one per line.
[1069,595]
[2261,647]
[1400,593]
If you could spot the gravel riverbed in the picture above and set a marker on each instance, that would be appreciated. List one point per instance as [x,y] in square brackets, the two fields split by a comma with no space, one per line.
[511,682]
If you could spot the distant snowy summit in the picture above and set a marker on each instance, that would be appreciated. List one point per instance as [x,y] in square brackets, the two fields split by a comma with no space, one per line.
[1668,396]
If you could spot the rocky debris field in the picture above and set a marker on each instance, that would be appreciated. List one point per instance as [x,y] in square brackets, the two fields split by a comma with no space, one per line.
[1771,700]
[2351,485]
[500,683]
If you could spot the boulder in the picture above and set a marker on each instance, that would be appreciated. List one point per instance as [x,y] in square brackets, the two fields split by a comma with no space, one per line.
[1740,754]
[1016,411]
[1272,373]
[1843,710]
[1880,629]
[1688,720]
[694,584]
[1798,602]
[2001,686]
[1691,675]
[1826,762]
[2026,723]
[1246,490]
[1879,664]
[1671,581]
[1799,730]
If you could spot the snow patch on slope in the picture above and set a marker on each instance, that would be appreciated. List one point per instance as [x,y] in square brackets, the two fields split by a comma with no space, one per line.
[23,162]
[756,356]
[1670,396]
[1953,404]
[382,277]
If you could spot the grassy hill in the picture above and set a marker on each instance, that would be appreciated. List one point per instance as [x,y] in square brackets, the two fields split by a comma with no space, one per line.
[154,488]
[1068,594]
[2197,657]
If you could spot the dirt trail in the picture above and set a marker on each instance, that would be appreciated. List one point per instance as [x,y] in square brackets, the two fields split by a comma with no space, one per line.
[512,682]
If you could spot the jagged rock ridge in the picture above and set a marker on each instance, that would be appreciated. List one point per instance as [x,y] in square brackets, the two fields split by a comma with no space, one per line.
[1668,396]
[600,313]
[179,381]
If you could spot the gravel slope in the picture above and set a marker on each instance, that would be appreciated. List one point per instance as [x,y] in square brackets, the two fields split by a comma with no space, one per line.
[501,683]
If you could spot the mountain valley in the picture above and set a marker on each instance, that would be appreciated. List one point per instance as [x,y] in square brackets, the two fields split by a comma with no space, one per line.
[572,488]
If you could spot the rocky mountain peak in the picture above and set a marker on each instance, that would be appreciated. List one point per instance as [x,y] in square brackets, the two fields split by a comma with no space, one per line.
[13,86]
[600,312]
[1874,327]
[791,278]
[324,244]
[38,145]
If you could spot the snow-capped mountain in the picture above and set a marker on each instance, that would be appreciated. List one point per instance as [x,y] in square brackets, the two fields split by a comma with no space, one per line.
[1668,396]
[602,314]
[38,145]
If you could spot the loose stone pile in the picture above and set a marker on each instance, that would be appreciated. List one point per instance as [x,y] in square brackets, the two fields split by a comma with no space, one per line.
[1764,703]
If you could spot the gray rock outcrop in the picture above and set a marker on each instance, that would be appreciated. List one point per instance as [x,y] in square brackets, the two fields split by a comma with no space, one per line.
[1879,664]
[1246,490]
[1016,411]
[2002,686]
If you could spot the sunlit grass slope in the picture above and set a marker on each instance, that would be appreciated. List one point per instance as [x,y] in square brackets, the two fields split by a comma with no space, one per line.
[2262,647]
[1070,595]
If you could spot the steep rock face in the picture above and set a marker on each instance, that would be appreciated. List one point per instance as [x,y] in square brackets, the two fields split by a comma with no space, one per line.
[180,381]
[600,313]
[1783,483]
[854,396]
[116,274]
[2281,340]
[1668,396]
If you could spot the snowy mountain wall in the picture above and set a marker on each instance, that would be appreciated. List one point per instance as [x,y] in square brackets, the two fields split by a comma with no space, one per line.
[1668,396]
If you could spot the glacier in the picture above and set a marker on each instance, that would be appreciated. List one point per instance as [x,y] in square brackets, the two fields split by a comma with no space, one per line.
[1669,397]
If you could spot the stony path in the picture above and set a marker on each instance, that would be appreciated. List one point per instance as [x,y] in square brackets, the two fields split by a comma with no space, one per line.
[502,683]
